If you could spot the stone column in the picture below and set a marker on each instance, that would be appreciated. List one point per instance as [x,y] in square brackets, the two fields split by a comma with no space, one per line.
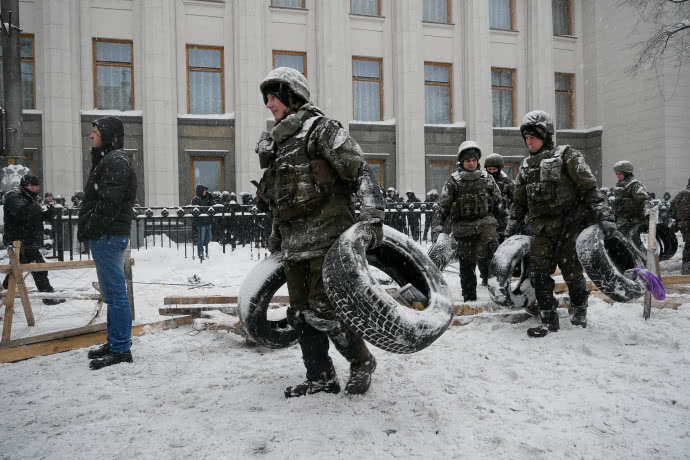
[159,102]
[408,99]
[60,98]
[477,73]
[540,67]
[249,67]
[332,84]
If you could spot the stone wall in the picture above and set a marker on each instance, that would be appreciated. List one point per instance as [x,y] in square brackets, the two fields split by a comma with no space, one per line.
[378,143]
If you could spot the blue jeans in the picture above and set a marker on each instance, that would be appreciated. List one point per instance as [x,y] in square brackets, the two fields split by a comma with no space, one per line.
[109,254]
[203,237]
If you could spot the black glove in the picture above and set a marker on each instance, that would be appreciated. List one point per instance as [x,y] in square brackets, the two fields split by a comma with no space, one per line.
[511,228]
[608,228]
[373,221]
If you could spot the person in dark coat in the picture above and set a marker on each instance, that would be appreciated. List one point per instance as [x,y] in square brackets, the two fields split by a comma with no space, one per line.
[24,218]
[105,219]
[202,224]
[680,211]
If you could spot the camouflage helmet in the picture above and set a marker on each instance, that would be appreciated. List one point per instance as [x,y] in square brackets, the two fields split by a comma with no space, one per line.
[467,150]
[286,77]
[623,166]
[494,160]
[537,122]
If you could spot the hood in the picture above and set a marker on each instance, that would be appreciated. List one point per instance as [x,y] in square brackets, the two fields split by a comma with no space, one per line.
[200,190]
[112,132]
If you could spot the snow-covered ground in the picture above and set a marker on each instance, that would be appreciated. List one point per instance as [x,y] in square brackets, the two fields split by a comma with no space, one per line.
[618,389]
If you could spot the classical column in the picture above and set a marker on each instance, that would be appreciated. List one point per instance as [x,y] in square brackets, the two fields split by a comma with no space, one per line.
[251,115]
[540,67]
[60,98]
[477,73]
[332,84]
[408,88]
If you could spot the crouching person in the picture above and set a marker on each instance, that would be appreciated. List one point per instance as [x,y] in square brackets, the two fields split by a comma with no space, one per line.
[105,219]
[312,169]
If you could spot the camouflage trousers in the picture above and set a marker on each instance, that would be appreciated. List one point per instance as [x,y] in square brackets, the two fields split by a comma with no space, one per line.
[685,231]
[472,249]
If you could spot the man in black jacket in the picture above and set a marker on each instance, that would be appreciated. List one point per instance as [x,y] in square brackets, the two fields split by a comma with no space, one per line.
[202,224]
[105,219]
[24,218]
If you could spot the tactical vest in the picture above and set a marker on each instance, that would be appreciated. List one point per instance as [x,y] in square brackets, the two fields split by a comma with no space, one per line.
[624,205]
[473,200]
[295,184]
[550,192]
[682,206]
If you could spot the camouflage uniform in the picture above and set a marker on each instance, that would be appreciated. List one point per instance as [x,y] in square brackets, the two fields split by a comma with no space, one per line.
[557,193]
[680,210]
[312,169]
[631,199]
[665,210]
[471,206]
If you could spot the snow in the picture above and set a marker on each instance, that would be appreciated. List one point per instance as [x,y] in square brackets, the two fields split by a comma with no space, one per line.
[618,389]
[207,116]
[115,113]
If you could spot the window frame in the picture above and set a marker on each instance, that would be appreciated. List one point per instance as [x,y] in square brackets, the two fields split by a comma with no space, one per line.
[382,170]
[95,63]
[33,66]
[193,158]
[371,79]
[512,18]
[206,69]
[571,77]
[570,21]
[290,53]
[449,15]
[513,89]
[293,7]
[449,85]
[378,14]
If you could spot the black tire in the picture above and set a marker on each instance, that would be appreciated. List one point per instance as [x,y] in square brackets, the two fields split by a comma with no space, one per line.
[364,305]
[666,240]
[605,261]
[512,253]
[443,251]
[255,296]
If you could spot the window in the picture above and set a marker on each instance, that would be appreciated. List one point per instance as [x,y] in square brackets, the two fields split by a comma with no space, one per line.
[439,171]
[27,67]
[562,17]
[565,100]
[366,7]
[208,171]
[501,14]
[294,59]
[378,168]
[113,74]
[367,88]
[503,96]
[287,3]
[437,11]
[437,93]
[205,85]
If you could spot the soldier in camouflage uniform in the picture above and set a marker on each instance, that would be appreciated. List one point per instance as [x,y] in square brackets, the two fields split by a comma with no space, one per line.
[665,210]
[680,211]
[557,192]
[471,206]
[494,165]
[312,169]
[631,202]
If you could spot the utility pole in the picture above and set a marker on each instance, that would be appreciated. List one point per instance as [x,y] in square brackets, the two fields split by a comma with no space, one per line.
[12,78]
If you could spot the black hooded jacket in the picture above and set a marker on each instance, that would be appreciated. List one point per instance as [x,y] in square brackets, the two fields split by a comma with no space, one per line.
[23,218]
[111,189]
[203,202]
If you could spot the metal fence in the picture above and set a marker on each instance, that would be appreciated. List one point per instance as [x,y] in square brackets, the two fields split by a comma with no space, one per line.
[231,226]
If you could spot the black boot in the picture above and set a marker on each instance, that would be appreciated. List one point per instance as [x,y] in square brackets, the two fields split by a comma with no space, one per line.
[99,352]
[543,290]
[578,315]
[685,268]
[321,376]
[362,362]
[110,358]
[468,280]
[578,302]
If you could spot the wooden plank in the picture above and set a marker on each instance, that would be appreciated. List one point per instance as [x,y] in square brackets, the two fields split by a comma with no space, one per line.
[13,252]
[19,353]
[196,311]
[560,288]
[9,309]
[213,300]
[61,295]
[676,279]
[67,265]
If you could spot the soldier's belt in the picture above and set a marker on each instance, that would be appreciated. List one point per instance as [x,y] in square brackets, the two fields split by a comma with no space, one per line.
[299,210]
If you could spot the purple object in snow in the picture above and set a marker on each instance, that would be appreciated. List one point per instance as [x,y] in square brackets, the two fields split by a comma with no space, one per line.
[653,283]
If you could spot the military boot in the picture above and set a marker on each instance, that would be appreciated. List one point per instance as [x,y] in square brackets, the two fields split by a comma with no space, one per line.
[362,362]
[578,302]
[321,376]
[543,290]
[468,280]
[578,315]
[685,268]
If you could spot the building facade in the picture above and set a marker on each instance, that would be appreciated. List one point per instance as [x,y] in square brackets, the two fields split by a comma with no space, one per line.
[410,79]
